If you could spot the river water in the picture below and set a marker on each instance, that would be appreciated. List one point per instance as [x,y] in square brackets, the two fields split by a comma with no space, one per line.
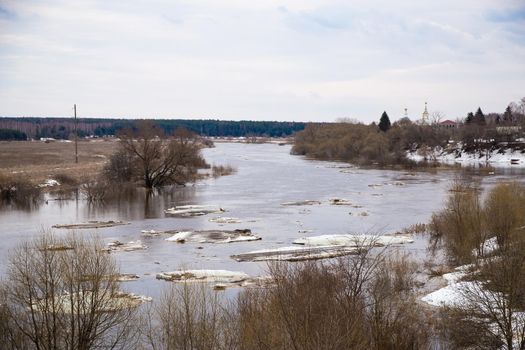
[267,176]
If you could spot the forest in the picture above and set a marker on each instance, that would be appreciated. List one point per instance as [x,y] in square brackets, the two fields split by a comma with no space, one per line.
[63,128]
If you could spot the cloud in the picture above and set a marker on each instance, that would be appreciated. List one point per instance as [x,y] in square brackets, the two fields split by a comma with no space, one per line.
[271,59]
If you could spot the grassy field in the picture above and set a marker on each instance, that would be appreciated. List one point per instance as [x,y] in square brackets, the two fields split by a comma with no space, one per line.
[38,161]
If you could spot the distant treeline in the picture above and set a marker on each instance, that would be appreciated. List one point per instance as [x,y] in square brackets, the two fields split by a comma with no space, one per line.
[63,128]
[12,135]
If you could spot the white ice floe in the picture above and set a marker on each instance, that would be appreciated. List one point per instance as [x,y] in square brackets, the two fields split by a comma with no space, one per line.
[296,253]
[225,220]
[209,276]
[126,247]
[49,183]
[350,240]
[91,224]
[214,236]
[126,277]
[298,203]
[83,302]
[219,279]
[193,210]
[155,233]
[339,201]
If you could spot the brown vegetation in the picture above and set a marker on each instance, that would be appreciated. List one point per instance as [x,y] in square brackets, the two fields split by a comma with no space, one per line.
[492,314]
[466,222]
[48,303]
[362,302]
[38,161]
[18,191]
[366,144]
[222,170]
[63,299]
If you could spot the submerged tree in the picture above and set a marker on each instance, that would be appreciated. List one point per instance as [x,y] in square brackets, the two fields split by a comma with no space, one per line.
[384,122]
[148,156]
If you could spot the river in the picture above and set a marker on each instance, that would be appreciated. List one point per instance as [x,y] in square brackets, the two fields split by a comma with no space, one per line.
[267,176]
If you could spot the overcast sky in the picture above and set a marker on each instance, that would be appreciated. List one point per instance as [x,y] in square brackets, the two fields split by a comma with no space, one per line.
[309,60]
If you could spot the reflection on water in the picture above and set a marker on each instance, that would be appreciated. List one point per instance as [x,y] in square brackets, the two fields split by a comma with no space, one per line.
[267,176]
[141,203]
[22,202]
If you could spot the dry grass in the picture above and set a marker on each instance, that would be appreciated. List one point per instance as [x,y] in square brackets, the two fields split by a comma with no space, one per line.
[38,161]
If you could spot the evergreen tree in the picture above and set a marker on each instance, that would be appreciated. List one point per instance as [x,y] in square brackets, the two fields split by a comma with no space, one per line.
[470,118]
[507,116]
[384,122]
[479,117]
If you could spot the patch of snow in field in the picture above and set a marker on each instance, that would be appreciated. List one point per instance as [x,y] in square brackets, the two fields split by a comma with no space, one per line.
[50,183]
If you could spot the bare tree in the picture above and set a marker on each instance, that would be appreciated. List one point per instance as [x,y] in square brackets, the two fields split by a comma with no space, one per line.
[436,117]
[156,160]
[63,294]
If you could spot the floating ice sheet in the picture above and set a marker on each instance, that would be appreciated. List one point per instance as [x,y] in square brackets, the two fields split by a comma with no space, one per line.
[214,236]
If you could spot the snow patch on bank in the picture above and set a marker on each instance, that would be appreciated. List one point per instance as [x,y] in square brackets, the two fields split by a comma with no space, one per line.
[506,159]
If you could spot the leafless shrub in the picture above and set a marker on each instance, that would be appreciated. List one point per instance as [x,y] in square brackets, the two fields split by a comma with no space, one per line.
[505,210]
[120,167]
[65,179]
[415,229]
[222,170]
[96,190]
[50,305]
[460,226]
[19,192]
[492,313]
[189,317]
[359,302]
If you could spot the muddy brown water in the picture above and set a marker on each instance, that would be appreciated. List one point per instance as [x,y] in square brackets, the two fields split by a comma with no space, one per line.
[384,201]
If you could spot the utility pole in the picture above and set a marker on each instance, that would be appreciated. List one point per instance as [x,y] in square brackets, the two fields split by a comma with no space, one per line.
[76,135]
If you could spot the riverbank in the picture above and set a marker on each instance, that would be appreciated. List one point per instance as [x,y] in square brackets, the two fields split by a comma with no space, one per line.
[39,161]
[503,158]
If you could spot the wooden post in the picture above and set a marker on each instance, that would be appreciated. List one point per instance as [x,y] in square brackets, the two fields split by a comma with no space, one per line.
[76,134]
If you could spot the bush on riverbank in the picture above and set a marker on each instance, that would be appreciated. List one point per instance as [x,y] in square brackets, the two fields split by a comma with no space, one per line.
[363,301]
[467,221]
[366,144]
[18,191]
[488,234]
